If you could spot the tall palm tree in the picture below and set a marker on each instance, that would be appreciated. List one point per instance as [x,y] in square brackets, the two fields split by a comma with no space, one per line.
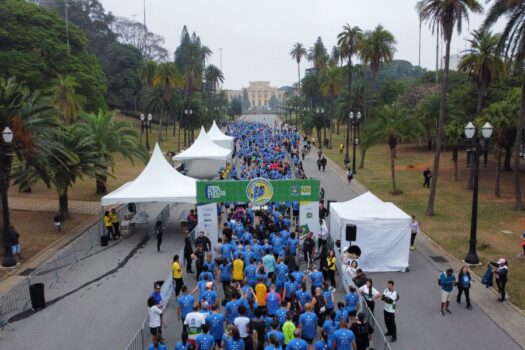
[482,62]
[349,41]
[214,77]
[110,137]
[147,71]
[67,101]
[166,77]
[332,83]
[445,15]
[392,124]
[298,52]
[512,45]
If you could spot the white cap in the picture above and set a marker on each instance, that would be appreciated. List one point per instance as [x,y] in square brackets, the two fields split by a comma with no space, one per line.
[502,261]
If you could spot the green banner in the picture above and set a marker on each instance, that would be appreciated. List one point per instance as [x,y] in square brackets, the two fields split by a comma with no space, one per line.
[258,191]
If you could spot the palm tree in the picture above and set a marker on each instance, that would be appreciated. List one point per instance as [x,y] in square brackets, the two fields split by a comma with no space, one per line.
[67,101]
[167,77]
[331,85]
[214,77]
[147,71]
[427,111]
[512,45]
[453,134]
[392,124]
[110,137]
[482,62]
[446,15]
[298,52]
[349,41]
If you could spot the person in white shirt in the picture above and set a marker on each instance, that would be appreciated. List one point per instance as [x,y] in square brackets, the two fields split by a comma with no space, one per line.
[155,318]
[370,294]
[241,322]
[414,230]
[390,297]
[194,321]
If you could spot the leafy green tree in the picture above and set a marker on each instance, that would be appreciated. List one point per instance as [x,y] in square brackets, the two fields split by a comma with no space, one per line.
[66,100]
[214,77]
[482,63]
[298,52]
[110,137]
[427,111]
[445,15]
[392,125]
[349,41]
[454,137]
[33,48]
[236,106]
[147,71]
[167,77]
[332,84]
[512,45]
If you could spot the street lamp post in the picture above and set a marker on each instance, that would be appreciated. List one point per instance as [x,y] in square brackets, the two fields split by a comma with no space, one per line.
[354,120]
[478,147]
[148,130]
[142,117]
[319,112]
[6,158]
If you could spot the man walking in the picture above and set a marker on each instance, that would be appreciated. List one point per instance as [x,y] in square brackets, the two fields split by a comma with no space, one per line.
[427,175]
[177,275]
[323,163]
[447,280]
[390,297]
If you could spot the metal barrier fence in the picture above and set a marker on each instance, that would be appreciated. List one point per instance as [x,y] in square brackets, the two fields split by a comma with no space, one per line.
[17,299]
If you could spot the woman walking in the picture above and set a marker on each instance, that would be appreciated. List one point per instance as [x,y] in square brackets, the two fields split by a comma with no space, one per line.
[158,233]
[188,252]
[414,230]
[319,303]
[464,280]
[330,265]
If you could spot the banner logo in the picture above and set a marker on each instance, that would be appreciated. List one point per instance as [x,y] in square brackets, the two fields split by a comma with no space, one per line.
[259,191]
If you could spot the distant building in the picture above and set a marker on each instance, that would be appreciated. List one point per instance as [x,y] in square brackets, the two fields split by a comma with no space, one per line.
[260,95]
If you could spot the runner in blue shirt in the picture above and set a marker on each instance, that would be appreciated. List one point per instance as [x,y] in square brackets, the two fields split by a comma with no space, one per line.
[250,272]
[297,343]
[341,313]
[273,299]
[351,301]
[317,279]
[329,326]
[281,314]
[278,244]
[216,323]
[344,338]
[281,270]
[308,323]
[225,273]
[276,333]
[204,341]
[185,304]
[303,295]
[324,343]
[231,309]
[292,243]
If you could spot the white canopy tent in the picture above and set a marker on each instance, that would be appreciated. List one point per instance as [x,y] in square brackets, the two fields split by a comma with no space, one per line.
[383,232]
[204,148]
[158,182]
[221,139]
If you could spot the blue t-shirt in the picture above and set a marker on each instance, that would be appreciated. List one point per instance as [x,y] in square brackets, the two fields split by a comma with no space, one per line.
[216,323]
[351,300]
[231,344]
[298,276]
[281,316]
[343,313]
[269,263]
[205,341]
[303,296]
[321,345]
[328,298]
[291,288]
[186,305]
[329,326]
[180,346]
[278,244]
[343,339]
[317,278]
[210,296]
[272,303]
[279,335]
[308,320]
[231,309]
[226,272]
[292,244]
[297,344]
[160,347]
[281,272]
[251,274]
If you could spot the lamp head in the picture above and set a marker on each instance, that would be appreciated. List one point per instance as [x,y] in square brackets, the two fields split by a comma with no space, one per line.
[358,115]
[351,115]
[7,135]
[150,117]
[142,117]
[470,130]
[486,130]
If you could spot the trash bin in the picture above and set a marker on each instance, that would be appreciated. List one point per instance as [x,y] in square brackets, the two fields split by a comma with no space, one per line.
[36,293]
[104,240]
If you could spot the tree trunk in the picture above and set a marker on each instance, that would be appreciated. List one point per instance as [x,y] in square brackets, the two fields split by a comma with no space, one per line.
[393,169]
[101,184]
[331,118]
[429,140]
[299,80]
[480,102]
[337,127]
[63,207]
[508,156]
[320,146]
[439,137]
[324,135]
[497,189]
[160,123]
[455,160]
[178,138]
[347,146]
[363,154]
[519,132]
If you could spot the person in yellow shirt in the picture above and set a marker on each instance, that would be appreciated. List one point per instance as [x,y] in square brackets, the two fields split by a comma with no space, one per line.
[176,270]
[330,265]
[114,221]
[108,225]
[238,269]
[260,293]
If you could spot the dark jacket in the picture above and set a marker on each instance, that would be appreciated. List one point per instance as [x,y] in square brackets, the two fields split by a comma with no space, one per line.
[488,277]
[204,241]
[13,236]
[464,284]
[188,249]
[360,281]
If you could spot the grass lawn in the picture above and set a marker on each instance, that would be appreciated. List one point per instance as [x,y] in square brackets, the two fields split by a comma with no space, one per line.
[450,227]
[37,230]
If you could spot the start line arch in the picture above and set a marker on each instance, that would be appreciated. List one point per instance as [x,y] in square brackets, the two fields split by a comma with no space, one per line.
[258,191]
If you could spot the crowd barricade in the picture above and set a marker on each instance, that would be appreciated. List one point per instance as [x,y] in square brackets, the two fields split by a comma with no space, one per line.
[17,299]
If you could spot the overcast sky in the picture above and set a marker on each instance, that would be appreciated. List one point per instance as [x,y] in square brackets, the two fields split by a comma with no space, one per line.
[256,36]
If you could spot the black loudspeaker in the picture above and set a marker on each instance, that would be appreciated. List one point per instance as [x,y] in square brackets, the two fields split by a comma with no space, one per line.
[351,232]
[328,204]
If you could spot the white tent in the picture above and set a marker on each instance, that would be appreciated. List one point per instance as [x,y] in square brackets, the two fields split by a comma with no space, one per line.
[383,232]
[204,148]
[158,182]
[217,136]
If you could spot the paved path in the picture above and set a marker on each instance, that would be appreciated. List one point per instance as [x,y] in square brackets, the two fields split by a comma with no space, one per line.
[51,205]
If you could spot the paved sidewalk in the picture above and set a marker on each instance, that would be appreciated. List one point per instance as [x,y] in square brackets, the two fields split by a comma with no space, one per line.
[490,325]
[51,205]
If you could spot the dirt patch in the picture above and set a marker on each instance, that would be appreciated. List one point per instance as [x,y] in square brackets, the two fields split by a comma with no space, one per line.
[413,167]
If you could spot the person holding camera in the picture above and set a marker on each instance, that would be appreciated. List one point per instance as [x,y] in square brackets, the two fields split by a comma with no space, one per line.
[390,298]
